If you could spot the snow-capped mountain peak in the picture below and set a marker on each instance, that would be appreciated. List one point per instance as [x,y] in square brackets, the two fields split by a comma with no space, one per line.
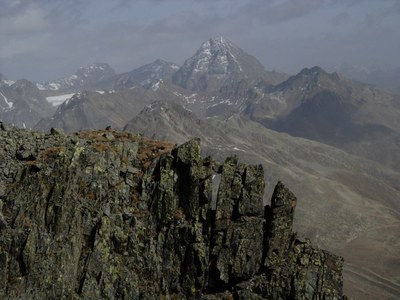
[5,81]
[218,62]
[99,70]
[216,55]
[148,76]
[84,77]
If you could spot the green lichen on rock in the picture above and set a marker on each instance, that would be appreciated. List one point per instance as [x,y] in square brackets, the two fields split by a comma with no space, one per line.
[86,216]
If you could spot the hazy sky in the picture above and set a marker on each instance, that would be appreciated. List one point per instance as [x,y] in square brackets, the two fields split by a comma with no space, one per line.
[44,39]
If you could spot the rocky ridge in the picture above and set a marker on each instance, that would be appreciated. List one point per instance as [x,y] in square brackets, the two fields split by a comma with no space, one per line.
[107,214]
[338,190]
[149,76]
[95,110]
[84,78]
[5,81]
[217,63]
[329,108]
[22,104]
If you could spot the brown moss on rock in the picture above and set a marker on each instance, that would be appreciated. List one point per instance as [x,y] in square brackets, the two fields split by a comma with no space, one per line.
[111,215]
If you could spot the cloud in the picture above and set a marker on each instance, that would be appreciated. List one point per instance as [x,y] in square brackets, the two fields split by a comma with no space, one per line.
[341,18]
[275,12]
[189,25]
[17,47]
[51,38]
[379,15]
[31,19]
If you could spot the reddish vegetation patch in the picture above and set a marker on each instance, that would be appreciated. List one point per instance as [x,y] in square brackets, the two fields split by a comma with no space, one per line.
[228,296]
[101,147]
[93,135]
[51,153]
[150,149]
[179,214]
[101,135]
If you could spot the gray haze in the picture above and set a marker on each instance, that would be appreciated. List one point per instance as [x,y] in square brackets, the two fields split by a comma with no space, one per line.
[46,39]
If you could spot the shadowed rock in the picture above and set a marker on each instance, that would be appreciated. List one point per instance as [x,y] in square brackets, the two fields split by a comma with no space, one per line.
[88,217]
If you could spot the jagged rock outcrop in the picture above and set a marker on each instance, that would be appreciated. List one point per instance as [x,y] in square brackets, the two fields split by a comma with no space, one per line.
[113,215]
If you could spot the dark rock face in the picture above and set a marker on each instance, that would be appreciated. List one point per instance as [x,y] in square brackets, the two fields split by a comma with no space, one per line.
[111,215]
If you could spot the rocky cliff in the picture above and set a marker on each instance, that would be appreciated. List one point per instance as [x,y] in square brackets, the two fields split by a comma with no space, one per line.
[113,215]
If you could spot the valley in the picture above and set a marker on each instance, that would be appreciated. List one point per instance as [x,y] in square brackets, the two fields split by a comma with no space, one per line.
[335,142]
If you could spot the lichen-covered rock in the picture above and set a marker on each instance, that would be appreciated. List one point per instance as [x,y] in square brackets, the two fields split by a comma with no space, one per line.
[113,215]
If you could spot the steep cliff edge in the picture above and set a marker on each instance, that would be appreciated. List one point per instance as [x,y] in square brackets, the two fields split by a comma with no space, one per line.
[113,215]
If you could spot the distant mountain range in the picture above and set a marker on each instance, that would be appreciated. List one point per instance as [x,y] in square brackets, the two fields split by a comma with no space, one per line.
[218,81]
[22,104]
[386,79]
[334,110]
[335,141]
[148,76]
[84,78]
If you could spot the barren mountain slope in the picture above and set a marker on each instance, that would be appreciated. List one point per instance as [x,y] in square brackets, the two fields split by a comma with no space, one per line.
[348,204]
[334,110]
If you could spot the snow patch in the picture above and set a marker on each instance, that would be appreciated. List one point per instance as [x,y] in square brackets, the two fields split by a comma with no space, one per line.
[8,82]
[40,86]
[216,52]
[8,102]
[57,100]
[156,85]
[226,102]
[50,86]
[54,86]
[238,149]
[191,99]
[187,109]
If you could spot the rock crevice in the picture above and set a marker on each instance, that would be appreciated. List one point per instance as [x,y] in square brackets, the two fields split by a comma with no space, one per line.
[112,215]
